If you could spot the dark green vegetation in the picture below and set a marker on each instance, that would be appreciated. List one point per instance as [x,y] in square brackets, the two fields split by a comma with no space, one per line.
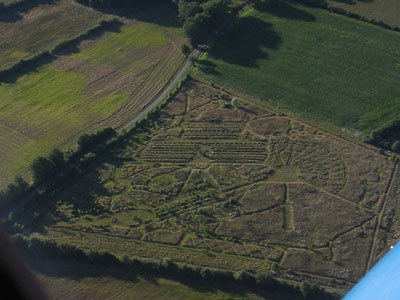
[325,67]
[233,187]
[387,138]
[201,18]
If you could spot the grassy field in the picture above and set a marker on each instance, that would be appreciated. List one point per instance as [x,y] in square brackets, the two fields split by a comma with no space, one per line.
[77,281]
[387,11]
[325,67]
[230,187]
[27,33]
[105,81]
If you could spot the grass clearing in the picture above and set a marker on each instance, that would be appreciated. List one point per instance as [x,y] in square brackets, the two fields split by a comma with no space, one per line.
[387,11]
[85,90]
[213,186]
[328,68]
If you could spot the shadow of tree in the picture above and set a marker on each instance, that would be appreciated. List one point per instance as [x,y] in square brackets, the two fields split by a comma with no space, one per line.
[13,12]
[80,271]
[353,2]
[282,9]
[162,14]
[33,65]
[243,43]
[206,66]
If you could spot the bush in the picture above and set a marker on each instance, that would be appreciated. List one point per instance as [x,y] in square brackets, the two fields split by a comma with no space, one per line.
[13,191]
[396,146]
[185,50]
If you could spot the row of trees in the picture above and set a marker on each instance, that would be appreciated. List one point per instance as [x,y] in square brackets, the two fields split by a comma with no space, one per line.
[51,166]
[35,247]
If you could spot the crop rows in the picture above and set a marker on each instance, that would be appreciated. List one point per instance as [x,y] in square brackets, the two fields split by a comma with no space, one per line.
[210,131]
[170,152]
[238,152]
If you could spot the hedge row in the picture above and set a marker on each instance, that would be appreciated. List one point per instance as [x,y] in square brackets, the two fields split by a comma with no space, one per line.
[55,166]
[38,248]
[340,11]
[49,54]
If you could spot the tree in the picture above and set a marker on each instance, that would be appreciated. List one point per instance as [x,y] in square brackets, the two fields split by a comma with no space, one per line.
[187,10]
[234,101]
[84,142]
[17,188]
[396,146]
[185,50]
[42,168]
[194,29]
[57,159]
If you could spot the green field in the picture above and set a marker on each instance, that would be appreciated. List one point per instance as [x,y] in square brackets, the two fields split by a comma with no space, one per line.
[84,91]
[322,66]
[79,281]
[387,11]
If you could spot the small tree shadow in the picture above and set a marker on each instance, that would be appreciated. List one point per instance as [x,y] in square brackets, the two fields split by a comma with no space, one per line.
[206,66]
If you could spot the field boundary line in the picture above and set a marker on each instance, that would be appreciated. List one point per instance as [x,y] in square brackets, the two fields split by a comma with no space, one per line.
[374,241]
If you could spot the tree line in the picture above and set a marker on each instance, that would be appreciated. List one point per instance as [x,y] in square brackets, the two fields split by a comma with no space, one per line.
[41,248]
[52,165]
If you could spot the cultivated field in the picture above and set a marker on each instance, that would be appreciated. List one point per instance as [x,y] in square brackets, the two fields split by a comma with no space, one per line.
[104,81]
[387,11]
[328,68]
[79,281]
[24,34]
[232,187]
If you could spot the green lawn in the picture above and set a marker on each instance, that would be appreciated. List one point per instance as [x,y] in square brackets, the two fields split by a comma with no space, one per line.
[325,67]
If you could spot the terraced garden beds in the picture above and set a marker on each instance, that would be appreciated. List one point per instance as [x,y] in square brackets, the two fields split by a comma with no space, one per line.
[278,197]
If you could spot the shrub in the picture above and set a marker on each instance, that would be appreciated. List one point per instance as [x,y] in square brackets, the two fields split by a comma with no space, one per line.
[185,50]
[396,146]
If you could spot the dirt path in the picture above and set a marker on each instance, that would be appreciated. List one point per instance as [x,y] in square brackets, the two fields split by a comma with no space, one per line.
[379,221]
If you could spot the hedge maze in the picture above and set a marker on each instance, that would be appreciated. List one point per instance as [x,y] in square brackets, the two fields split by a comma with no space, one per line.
[233,187]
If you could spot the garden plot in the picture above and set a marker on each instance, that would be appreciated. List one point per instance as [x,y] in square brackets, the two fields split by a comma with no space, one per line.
[277,196]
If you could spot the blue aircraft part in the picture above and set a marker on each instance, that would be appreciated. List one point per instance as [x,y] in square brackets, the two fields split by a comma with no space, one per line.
[382,282]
